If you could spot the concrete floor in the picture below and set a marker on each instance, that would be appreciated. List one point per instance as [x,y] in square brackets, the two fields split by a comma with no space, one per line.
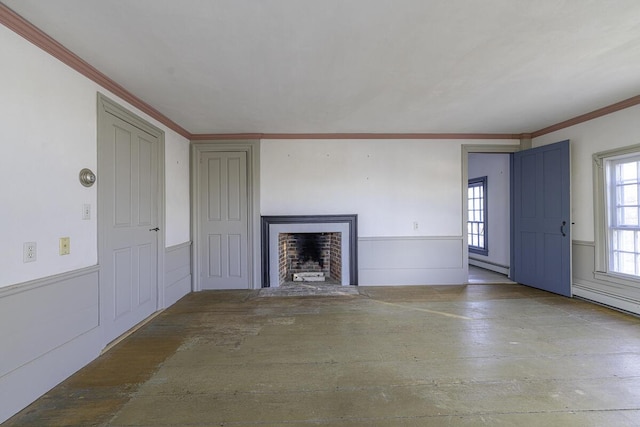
[403,356]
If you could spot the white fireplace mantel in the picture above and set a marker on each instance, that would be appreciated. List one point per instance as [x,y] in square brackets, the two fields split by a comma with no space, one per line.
[344,224]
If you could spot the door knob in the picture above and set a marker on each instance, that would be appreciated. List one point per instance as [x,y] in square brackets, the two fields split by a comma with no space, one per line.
[564,223]
[154,229]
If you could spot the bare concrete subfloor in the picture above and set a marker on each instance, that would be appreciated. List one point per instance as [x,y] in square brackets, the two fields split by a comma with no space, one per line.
[403,356]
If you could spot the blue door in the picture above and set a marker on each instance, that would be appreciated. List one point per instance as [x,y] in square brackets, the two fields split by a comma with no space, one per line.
[541,239]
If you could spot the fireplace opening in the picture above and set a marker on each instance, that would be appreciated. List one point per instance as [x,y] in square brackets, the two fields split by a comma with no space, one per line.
[310,257]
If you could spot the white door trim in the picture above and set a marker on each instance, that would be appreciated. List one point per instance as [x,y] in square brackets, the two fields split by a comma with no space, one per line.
[252,150]
[108,106]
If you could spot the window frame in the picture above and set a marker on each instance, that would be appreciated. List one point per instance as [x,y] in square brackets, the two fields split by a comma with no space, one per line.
[482,183]
[605,209]
[615,225]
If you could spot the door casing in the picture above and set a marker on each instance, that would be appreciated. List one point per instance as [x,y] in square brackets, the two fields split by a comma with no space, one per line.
[252,150]
[466,150]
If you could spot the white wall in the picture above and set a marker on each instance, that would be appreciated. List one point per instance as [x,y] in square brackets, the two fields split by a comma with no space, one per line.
[389,184]
[615,130]
[496,167]
[48,133]
[178,202]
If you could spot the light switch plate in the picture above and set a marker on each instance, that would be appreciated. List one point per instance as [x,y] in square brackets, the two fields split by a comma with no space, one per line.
[86,211]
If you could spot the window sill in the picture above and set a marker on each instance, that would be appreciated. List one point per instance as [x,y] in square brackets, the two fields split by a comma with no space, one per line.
[619,279]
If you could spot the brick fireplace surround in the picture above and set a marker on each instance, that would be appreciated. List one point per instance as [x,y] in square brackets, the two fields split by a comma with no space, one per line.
[310,253]
[327,229]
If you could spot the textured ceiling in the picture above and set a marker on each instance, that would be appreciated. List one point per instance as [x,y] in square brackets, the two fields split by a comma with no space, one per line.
[325,66]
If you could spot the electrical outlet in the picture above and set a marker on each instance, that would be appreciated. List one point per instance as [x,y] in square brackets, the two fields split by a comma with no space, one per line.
[29,252]
[86,211]
[415,225]
[65,248]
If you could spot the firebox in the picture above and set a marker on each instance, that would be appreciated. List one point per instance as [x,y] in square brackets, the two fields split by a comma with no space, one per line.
[310,257]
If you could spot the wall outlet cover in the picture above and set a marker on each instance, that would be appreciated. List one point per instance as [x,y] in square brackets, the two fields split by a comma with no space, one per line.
[65,248]
[29,253]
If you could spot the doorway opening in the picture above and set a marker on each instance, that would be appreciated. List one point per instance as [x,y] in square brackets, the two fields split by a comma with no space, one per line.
[539,215]
[487,215]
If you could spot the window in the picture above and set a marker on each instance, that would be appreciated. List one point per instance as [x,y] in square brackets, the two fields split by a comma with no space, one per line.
[623,214]
[477,215]
[617,216]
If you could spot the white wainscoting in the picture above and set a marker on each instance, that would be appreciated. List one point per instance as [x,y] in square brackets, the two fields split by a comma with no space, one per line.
[177,268]
[411,261]
[48,330]
[586,285]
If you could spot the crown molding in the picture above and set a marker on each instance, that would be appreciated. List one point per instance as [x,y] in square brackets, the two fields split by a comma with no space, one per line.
[30,32]
[224,136]
[234,136]
[630,102]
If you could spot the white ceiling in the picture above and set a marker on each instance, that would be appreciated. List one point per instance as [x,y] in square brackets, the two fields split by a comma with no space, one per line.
[316,66]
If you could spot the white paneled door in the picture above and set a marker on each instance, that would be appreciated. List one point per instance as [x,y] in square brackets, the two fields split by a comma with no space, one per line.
[128,183]
[224,220]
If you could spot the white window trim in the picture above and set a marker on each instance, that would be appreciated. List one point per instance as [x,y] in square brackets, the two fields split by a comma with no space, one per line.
[601,217]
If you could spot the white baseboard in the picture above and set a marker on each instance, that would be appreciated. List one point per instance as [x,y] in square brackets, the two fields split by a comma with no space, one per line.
[489,266]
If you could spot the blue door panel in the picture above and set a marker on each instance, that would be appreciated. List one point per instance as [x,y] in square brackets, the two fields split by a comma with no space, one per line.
[552,163]
[527,249]
[526,176]
[552,258]
[541,216]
